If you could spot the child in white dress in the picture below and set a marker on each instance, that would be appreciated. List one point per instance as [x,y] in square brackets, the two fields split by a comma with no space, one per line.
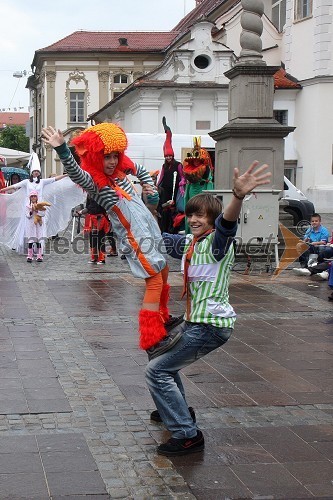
[34,227]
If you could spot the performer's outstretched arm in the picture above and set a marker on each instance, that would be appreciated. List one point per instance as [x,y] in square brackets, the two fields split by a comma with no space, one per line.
[56,139]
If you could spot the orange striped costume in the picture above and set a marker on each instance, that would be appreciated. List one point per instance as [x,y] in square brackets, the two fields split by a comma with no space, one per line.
[137,231]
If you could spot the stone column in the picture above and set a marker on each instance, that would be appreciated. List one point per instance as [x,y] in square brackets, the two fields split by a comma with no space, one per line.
[103,85]
[182,103]
[145,109]
[250,40]
[49,96]
[252,133]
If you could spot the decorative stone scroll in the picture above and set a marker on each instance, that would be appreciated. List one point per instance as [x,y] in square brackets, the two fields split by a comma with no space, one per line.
[77,76]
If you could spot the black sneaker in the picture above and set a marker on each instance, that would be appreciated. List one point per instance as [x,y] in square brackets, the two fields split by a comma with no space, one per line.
[156,417]
[172,322]
[164,345]
[175,446]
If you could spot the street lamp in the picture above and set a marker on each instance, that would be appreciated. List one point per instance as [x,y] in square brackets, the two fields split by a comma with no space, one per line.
[19,74]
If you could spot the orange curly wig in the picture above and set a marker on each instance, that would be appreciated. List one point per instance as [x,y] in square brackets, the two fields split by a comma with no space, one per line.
[97,141]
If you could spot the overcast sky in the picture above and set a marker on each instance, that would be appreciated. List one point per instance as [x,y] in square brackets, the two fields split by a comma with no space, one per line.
[29,26]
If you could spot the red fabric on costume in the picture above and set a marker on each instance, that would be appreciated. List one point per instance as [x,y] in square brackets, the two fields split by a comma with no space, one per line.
[178,219]
[98,222]
[151,328]
[2,180]
[167,146]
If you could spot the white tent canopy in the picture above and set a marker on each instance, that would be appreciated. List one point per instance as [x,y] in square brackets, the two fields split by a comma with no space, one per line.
[14,157]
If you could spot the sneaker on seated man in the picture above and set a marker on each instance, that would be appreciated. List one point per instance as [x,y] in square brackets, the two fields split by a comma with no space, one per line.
[301,271]
[321,276]
[318,271]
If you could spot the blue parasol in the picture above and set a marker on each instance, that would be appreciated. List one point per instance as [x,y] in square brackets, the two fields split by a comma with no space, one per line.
[8,171]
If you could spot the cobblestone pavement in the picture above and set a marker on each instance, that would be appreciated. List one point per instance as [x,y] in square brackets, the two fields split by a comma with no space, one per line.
[74,412]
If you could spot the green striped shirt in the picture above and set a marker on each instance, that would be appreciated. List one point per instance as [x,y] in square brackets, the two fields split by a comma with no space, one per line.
[208,285]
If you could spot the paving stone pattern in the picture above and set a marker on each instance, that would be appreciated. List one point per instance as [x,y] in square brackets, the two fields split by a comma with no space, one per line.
[74,412]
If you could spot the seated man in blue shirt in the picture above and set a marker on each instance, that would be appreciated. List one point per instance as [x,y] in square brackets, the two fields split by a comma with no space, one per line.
[321,269]
[316,237]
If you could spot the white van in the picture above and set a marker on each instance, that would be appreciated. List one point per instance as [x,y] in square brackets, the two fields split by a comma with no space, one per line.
[296,203]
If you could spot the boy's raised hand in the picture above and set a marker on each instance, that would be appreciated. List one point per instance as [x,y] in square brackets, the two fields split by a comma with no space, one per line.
[245,183]
[52,136]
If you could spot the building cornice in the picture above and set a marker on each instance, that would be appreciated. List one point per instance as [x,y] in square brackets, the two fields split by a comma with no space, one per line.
[138,85]
[316,80]
[251,128]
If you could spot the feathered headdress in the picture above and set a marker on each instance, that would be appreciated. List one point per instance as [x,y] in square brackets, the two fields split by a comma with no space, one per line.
[95,142]
[167,146]
[196,162]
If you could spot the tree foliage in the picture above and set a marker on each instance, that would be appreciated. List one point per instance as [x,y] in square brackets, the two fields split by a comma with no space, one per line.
[14,138]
